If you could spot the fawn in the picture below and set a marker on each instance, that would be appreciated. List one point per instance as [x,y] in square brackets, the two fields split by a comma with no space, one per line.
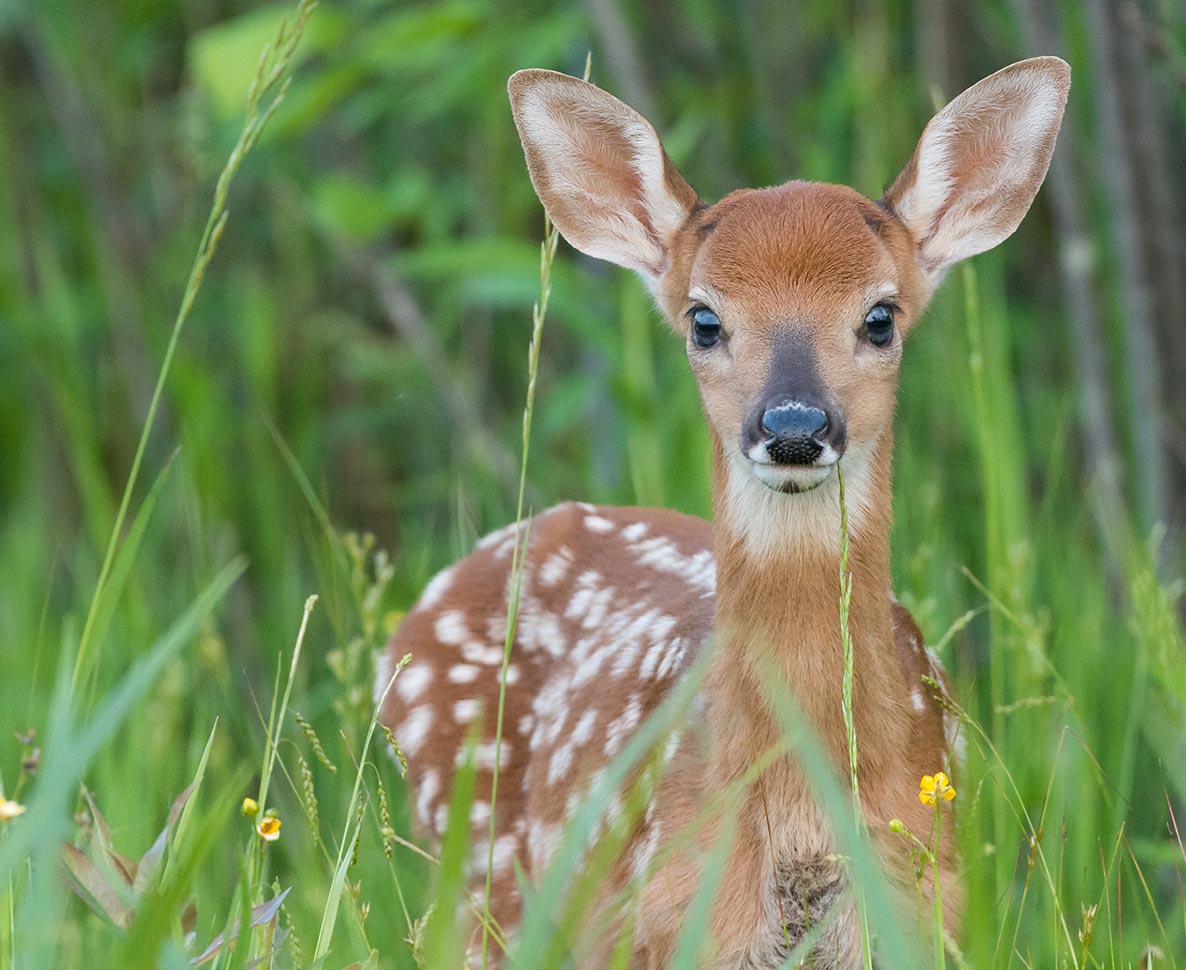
[794,303]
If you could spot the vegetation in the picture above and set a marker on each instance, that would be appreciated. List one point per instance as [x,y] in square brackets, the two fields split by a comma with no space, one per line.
[339,413]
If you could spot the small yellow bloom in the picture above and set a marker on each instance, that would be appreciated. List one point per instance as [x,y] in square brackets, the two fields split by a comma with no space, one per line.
[250,807]
[269,828]
[10,809]
[933,787]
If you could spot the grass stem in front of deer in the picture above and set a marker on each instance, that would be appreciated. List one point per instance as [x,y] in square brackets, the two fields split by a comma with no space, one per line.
[846,707]
[522,533]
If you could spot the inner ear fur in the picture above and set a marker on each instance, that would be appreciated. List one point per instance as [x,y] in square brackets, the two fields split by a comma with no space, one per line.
[980,162]
[600,171]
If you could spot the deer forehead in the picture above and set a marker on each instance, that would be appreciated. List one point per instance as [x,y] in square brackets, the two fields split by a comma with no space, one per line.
[805,254]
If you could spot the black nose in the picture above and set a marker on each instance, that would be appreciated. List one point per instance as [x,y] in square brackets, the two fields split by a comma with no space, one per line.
[795,421]
[796,433]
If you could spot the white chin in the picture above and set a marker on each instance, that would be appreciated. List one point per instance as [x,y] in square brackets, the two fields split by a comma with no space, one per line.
[791,479]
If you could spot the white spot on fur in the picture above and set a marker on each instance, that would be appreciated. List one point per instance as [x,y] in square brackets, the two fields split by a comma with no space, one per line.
[450,628]
[384,665]
[650,663]
[584,727]
[466,710]
[675,653]
[413,730]
[479,813]
[917,701]
[634,531]
[477,652]
[934,663]
[599,604]
[661,554]
[411,681]
[435,589]
[620,728]
[560,763]
[645,847]
[426,793]
[548,634]
[586,585]
[595,523]
[496,628]
[497,536]
[671,747]
[626,658]
[543,840]
[556,566]
[463,673]
[615,814]
[504,854]
[484,754]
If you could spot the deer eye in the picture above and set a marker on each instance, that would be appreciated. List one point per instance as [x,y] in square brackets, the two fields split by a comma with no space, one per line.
[879,325]
[706,328]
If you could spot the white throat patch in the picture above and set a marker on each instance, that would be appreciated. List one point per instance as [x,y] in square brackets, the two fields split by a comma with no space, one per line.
[769,521]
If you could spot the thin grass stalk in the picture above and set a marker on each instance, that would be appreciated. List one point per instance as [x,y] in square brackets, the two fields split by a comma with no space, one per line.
[1016,804]
[696,935]
[1148,893]
[717,807]
[276,724]
[846,707]
[273,65]
[936,898]
[10,923]
[853,842]
[995,557]
[538,313]
[782,916]
[345,847]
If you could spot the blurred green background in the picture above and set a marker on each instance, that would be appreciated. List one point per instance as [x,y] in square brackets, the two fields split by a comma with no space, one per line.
[369,309]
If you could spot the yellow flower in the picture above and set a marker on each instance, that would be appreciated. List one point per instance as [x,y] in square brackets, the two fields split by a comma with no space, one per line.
[250,807]
[269,828]
[933,787]
[10,809]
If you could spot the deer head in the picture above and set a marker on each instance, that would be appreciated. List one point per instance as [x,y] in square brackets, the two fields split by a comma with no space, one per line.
[794,301]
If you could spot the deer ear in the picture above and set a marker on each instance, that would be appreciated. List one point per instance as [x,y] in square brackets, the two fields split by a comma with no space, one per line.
[980,162]
[600,171]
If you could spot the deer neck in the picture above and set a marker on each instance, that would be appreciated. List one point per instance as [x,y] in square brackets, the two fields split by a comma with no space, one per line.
[778,613]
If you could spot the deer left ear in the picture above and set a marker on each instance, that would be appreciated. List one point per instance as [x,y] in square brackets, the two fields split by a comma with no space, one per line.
[600,171]
[980,162]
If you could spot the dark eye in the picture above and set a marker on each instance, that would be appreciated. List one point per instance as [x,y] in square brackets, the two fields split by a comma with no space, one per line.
[706,328]
[879,325]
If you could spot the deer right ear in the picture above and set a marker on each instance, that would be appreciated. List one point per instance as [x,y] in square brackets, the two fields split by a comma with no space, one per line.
[600,171]
[980,163]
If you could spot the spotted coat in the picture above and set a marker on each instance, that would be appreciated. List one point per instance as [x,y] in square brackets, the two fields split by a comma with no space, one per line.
[615,604]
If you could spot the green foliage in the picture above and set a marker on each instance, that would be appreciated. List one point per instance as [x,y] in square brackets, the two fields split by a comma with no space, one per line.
[355,360]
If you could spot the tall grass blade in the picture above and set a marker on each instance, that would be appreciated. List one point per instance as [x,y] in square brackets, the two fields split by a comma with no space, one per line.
[265,85]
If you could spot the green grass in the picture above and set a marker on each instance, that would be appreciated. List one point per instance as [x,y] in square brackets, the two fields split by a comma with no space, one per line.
[336,411]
